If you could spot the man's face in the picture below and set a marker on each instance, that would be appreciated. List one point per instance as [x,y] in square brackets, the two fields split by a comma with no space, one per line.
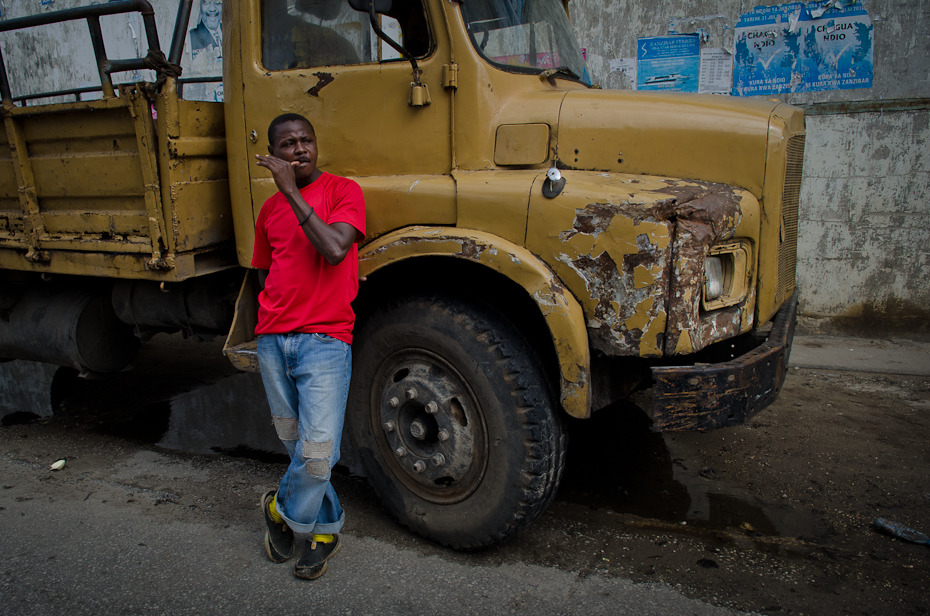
[211,12]
[295,141]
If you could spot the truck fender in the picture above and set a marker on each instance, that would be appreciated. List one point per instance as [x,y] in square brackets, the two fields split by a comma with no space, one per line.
[562,312]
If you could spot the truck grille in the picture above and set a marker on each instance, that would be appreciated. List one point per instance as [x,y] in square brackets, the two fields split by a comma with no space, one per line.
[788,246]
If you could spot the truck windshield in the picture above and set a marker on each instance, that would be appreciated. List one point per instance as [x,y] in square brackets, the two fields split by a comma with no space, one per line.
[525,35]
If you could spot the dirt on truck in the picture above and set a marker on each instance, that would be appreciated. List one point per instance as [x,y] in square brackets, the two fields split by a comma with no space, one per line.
[538,248]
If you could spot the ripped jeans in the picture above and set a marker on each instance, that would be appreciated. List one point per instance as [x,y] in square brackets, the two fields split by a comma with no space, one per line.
[306,378]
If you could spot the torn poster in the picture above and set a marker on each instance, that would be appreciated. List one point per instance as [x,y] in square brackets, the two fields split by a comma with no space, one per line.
[627,66]
[803,47]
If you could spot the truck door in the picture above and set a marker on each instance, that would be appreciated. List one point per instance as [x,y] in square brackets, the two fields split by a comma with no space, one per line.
[320,58]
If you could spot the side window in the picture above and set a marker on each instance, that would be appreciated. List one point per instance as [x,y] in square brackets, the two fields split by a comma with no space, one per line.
[308,33]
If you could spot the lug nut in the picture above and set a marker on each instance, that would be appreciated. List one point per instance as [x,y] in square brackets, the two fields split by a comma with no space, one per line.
[419,466]
[438,460]
[394,402]
[443,435]
[417,430]
[411,394]
[432,408]
[400,452]
[389,426]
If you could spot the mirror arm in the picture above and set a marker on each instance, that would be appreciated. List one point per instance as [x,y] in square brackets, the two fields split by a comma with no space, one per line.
[373,16]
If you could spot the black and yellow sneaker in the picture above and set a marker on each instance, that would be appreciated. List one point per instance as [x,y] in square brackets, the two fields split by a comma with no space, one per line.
[279,539]
[318,550]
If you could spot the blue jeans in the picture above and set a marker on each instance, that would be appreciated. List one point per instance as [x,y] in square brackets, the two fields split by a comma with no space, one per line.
[306,378]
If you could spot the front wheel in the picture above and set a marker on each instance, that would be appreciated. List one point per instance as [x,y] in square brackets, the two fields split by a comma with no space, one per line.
[454,421]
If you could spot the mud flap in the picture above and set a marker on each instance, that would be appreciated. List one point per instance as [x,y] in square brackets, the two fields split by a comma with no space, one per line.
[712,396]
[241,345]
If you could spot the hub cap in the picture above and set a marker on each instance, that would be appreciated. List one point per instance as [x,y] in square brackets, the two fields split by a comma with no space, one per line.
[430,426]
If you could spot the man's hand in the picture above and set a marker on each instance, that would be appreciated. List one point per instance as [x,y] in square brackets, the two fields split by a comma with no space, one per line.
[331,241]
[282,172]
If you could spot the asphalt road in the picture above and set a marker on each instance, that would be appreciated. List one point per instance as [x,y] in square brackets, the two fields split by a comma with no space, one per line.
[155,511]
[123,529]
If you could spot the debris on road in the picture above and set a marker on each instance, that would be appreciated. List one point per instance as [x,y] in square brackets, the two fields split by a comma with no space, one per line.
[901,532]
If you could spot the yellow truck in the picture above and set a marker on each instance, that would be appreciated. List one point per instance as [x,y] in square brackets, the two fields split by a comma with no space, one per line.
[537,247]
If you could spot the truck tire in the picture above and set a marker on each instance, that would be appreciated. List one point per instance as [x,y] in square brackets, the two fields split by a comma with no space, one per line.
[453,421]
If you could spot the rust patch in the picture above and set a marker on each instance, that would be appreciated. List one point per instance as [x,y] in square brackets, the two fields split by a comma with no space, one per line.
[621,312]
[614,290]
[602,277]
[593,219]
[708,396]
[324,80]
[705,213]
[402,241]
[670,278]
[471,250]
[708,203]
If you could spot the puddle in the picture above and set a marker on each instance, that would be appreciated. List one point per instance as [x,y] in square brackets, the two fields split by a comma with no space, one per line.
[615,462]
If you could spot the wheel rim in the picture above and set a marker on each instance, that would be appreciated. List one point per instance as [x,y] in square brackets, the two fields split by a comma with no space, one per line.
[428,426]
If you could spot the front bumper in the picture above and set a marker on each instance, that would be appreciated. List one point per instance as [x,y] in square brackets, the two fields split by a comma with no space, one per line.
[704,397]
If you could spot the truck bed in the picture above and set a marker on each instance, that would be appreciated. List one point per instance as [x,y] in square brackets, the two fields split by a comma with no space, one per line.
[119,187]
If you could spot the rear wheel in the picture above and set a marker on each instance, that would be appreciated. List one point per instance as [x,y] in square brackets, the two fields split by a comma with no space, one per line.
[454,421]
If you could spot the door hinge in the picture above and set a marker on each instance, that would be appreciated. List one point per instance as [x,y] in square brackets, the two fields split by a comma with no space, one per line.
[450,75]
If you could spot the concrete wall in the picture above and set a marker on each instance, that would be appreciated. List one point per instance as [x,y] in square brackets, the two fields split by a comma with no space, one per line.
[60,56]
[865,214]
[865,204]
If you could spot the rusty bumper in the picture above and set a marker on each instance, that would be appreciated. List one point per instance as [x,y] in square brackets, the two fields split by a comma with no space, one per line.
[708,396]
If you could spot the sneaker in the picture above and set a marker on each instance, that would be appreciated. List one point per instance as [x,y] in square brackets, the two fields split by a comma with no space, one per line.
[313,562]
[279,539]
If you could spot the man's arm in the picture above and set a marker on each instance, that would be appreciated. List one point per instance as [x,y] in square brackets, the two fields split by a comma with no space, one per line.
[332,241]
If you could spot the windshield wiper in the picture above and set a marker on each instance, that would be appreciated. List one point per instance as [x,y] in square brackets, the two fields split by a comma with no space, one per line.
[550,74]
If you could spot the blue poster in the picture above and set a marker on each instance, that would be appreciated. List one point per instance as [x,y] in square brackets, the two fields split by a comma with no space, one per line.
[798,47]
[669,63]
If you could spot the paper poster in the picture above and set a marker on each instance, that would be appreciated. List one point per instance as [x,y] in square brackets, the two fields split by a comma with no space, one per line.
[797,47]
[716,71]
[627,66]
[204,54]
[670,63]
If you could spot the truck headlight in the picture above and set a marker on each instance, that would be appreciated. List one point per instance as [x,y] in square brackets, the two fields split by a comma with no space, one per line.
[713,278]
[726,275]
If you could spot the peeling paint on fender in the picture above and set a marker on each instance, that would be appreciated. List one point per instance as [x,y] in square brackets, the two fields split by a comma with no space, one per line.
[636,260]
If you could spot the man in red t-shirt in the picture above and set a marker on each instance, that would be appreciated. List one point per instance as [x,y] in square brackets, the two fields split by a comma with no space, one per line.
[306,251]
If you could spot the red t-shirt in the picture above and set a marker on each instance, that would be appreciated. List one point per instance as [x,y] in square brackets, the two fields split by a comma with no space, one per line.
[303,293]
